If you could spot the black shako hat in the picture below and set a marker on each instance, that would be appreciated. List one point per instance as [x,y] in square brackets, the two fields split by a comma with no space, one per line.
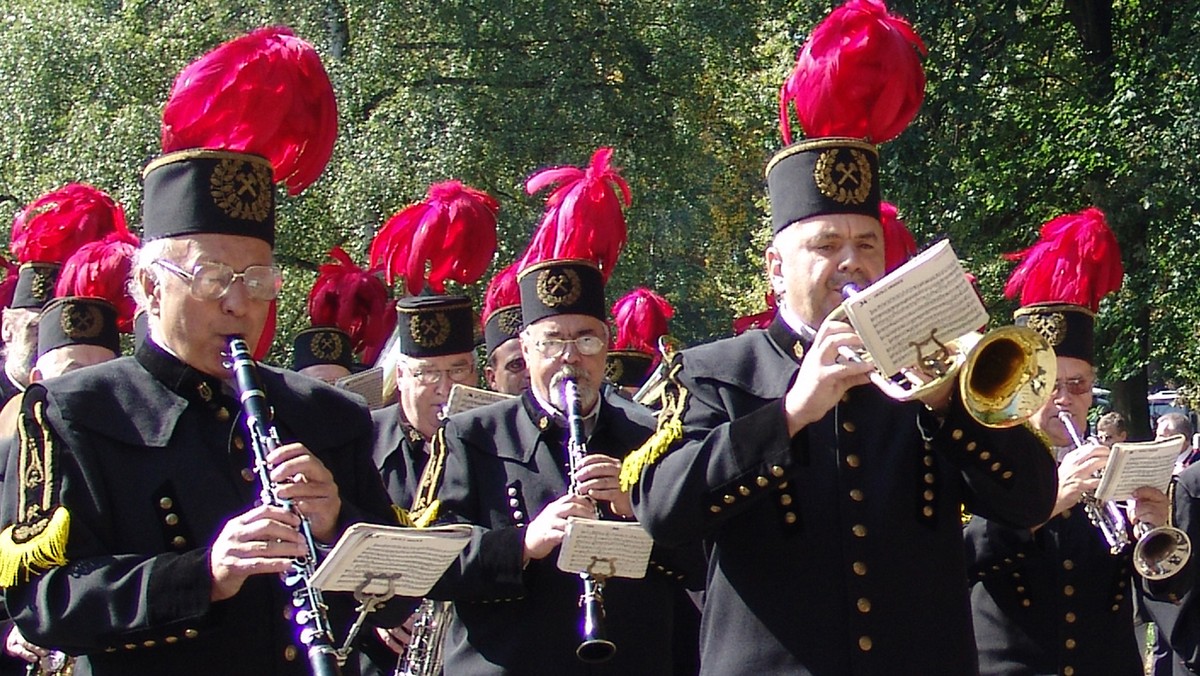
[820,176]
[435,325]
[199,191]
[35,285]
[322,345]
[78,320]
[561,287]
[501,326]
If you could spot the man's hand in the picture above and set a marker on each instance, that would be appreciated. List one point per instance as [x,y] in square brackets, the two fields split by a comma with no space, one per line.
[16,645]
[260,541]
[599,478]
[547,529]
[823,376]
[1077,474]
[397,639]
[1151,507]
[305,480]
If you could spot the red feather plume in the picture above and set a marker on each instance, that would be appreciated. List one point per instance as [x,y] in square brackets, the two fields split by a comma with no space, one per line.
[757,321]
[8,287]
[1076,261]
[56,224]
[502,291]
[451,235]
[583,216]
[858,75]
[101,270]
[641,318]
[355,301]
[898,242]
[265,93]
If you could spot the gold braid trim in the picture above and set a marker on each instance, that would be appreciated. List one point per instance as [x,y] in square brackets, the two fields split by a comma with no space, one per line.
[669,430]
[424,510]
[402,516]
[38,540]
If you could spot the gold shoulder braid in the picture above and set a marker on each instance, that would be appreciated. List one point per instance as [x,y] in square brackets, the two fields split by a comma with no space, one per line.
[425,505]
[38,540]
[668,430]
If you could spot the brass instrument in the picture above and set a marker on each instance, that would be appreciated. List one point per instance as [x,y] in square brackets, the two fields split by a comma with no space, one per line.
[1158,553]
[423,656]
[594,647]
[56,663]
[1004,376]
[651,390]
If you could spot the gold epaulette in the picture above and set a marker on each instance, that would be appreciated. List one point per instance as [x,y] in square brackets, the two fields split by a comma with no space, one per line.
[424,510]
[38,539]
[668,430]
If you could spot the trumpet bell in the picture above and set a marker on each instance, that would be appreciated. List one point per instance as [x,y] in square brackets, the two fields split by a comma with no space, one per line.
[1161,552]
[1006,376]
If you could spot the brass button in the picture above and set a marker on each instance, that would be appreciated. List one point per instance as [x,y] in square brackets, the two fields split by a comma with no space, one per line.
[856,495]
[1025,603]
[223,414]
[190,633]
[927,510]
[1007,474]
[729,499]
[852,460]
[864,643]
[166,503]
[790,517]
[512,490]
[150,643]
[928,495]
[848,426]
[513,502]
[762,481]
[971,445]
[956,435]
[1070,644]
[205,391]
[239,443]
[929,478]
[1070,618]
[864,605]
[1069,590]
[859,530]
[785,499]
[1068,671]
[247,475]
[179,543]
[776,471]
[131,646]
[289,653]
[171,639]
[995,466]
[171,519]
[288,613]
[928,461]
[715,509]
[1119,597]
[859,568]
[846,398]
[1068,564]
[743,491]
[519,515]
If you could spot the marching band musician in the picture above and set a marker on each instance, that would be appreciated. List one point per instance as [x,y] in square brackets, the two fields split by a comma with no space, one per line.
[135,540]
[504,468]
[1053,599]
[1172,604]
[505,370]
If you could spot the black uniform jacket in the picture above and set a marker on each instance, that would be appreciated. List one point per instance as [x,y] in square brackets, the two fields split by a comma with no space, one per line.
[838,551]
[1054,601]
[1172,603]
[502,464]
[150,459]
[400,454]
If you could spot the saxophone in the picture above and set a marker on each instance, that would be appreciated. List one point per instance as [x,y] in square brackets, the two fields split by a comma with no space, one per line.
[423,656]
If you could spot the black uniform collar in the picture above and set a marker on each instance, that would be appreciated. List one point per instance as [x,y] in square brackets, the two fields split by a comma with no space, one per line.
[180,378]
[791,343]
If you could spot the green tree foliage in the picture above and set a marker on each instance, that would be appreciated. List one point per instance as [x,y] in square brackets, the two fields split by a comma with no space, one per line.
[1033,109]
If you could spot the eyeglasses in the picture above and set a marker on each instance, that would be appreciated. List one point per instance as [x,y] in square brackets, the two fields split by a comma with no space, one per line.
[515,366]
[555,347]
[1075,386]
[458,374]
[211,281]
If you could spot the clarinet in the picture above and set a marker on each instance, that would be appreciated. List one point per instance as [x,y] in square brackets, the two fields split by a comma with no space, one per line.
[315,632]
[594,647]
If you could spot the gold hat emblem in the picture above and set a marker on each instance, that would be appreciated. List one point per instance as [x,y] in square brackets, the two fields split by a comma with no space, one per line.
[614,369]
[41,286]
[846,182]
[242,189]
[1052,326]
[80,320]
[326,346]
[429,329]
[509,321]
[558,287]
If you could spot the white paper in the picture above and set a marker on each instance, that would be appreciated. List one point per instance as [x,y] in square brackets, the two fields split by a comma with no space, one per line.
[412,559]
[367,384]
[1133,465]
[464,398]
[927,296]
[605,548]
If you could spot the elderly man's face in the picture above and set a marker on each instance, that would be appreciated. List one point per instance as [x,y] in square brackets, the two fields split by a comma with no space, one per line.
[550,363]
[811,260]
[19,331]
[506,371]
[424,385]
[197,331]
[69,358]
[329,373]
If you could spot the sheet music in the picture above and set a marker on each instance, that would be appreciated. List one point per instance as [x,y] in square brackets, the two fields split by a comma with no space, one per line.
[367,384]
[1133,465]
[927,295]
[605,548]
[464,398]
[414,558]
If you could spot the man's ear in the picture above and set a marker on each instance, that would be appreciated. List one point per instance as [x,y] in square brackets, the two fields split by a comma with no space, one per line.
[773,265]
[150,290]
[6,327]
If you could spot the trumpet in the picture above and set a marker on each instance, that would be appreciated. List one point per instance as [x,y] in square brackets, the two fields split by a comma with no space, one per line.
[1158,553]
[1004,373]
[651,390]
[594,647]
